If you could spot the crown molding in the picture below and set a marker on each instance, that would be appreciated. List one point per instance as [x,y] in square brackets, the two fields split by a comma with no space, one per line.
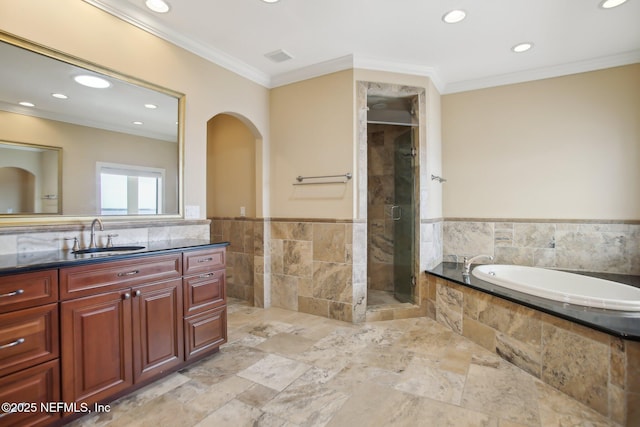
[625,58]
[316,70]
[355,61]
[132,16]
[369,63]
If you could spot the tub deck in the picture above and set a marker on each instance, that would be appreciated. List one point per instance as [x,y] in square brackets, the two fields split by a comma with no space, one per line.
[622,324]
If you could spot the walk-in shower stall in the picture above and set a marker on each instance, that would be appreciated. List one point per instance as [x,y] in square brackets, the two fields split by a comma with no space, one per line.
[392,138]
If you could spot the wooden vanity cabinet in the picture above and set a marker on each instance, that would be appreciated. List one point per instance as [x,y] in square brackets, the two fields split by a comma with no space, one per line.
[205,300]
[113,340]
[92,332]
[29,346]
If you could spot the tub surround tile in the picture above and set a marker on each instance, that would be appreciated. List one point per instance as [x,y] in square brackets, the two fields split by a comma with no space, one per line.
[548,243]
[599,370]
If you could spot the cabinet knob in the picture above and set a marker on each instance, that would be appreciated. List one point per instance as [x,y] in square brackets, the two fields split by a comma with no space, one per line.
[127,295]
[137,293]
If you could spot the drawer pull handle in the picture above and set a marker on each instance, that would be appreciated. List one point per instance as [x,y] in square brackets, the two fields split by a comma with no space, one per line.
[137,293]
[129,273]
[12,294]
[12,344]
[205,276]
[205,259]
[126,296]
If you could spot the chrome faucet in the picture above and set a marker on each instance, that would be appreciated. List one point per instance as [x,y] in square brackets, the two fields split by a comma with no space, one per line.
[92,242]
[466,266]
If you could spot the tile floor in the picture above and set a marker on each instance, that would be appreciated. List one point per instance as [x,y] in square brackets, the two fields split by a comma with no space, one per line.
[283,368]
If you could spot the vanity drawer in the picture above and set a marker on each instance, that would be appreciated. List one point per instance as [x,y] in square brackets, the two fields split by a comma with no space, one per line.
[28,290]
[28,337]
[107,276]
[204,292]
[40,384]
[205,331]
[203,261]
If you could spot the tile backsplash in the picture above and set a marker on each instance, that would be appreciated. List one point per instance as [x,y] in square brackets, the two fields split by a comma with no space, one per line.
[586,246]
[53,237]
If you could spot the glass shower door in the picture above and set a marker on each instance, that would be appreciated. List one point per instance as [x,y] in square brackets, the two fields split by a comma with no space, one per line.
[403,215]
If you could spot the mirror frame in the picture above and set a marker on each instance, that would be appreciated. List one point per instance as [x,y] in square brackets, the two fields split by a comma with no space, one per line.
[28,219]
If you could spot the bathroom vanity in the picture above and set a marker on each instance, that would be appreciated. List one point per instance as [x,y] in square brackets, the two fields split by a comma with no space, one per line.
[81,330]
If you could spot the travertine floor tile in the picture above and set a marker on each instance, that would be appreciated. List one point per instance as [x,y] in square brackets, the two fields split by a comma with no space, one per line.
[288,369]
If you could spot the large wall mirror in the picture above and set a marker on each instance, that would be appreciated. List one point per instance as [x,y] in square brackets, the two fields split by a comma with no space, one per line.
[108,145]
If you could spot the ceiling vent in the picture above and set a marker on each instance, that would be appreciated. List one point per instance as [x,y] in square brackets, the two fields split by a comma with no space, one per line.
[278,55]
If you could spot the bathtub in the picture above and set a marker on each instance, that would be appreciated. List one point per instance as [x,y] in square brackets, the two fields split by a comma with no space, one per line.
[562,286]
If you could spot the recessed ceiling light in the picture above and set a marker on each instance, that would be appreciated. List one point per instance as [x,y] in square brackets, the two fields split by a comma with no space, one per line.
[271,1]
[137,123]
[609,4]
[60,95]
[27,104]
[522,47]
[159,6]
[454,16]
[150,106]
[92,81]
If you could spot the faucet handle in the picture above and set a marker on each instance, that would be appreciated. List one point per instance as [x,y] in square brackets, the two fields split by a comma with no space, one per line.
[110,240]
[76,245]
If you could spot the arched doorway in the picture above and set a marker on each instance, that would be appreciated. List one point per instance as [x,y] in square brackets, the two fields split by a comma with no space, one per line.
[234,201]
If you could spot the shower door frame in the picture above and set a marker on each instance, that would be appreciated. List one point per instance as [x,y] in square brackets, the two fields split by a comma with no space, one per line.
[360,238]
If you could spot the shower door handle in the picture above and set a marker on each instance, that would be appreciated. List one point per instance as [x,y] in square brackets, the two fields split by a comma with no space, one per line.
[396,212]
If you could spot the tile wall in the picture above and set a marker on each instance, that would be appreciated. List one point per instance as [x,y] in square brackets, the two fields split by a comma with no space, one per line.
[597,369]
[312,268]
[40,238]
[245,256]
[612,247]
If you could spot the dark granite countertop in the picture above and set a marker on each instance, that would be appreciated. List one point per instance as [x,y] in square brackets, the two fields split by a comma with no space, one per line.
[624,324]
[31,261]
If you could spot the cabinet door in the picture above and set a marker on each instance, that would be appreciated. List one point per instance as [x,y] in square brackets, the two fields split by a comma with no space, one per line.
[205,332]
[96,346]
[157,328]
[40,384]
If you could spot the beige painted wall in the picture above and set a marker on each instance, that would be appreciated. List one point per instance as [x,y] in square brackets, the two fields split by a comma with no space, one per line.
[312,134]
[562,148]
[231,168]
[82,30]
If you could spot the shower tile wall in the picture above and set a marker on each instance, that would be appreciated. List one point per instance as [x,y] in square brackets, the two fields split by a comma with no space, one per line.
[601,247]
[380,248]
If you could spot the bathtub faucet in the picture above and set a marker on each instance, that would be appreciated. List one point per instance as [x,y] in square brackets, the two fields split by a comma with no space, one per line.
[466,266]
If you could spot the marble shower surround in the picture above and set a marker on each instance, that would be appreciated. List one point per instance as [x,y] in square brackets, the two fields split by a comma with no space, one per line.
[605,246]
[597,369]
